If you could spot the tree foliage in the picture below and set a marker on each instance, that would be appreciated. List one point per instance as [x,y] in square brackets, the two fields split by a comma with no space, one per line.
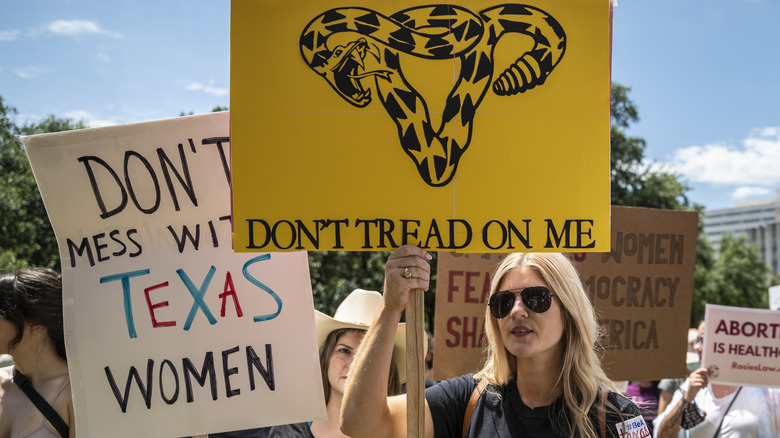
[738,277]
[633,183]
[26,236]
[334,274]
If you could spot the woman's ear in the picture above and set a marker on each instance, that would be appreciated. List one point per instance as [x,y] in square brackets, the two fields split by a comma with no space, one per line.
[34,330]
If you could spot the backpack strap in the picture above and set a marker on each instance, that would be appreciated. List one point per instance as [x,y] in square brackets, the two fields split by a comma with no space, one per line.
[717,432]
[603,413]
[54,418]
[472,403]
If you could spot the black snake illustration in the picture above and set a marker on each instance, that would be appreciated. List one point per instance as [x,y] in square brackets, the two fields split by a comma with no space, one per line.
[431,32]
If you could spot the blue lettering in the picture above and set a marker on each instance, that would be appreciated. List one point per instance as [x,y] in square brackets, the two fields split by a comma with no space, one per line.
[259,284]
[197,295]
[125,279]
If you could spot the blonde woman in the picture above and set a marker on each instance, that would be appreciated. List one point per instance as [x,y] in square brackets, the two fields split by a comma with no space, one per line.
[542,376]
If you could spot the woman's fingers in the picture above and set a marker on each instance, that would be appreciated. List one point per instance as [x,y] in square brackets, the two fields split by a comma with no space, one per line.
[410,261]
[407,268]
[698,380]
[409,250]
[409,272]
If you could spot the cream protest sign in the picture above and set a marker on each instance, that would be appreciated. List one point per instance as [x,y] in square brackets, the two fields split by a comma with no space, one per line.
[391,123]
[168,331]
[642,290]
[742,345]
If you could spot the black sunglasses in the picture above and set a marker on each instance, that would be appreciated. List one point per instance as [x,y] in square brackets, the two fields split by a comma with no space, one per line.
[536,298]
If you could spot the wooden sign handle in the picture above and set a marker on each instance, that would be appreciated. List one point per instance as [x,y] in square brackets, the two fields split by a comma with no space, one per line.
[415,356]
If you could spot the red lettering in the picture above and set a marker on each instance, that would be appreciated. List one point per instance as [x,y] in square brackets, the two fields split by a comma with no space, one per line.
[230,290]
[469,287]
[486,288]
[151,306]
[721,327]
[452,287]
[734,328]
[469,334]
[453,321]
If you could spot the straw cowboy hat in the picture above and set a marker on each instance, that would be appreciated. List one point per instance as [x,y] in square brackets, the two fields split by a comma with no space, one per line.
[357,311]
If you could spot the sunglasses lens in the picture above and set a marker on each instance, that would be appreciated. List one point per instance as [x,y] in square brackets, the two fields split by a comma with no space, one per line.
[537,299]
[501,303]
[507,301]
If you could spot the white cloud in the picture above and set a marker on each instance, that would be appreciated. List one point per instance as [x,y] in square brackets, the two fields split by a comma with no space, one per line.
[31,72]
[89,119]
[753,162]
[745,192]
[9,35]
[77,28]
[210,88]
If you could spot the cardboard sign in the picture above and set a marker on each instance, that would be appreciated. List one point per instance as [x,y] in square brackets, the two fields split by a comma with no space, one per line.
[168,331]
[642,291]
[742,346]
[436,125]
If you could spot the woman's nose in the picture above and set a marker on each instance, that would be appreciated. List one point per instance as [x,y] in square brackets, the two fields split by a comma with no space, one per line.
[518,309]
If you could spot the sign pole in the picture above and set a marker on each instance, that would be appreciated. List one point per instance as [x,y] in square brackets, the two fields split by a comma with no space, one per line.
[415,398]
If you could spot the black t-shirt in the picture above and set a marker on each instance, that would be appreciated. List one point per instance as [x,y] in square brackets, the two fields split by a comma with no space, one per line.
[500,412]
[296,430]
[248,433]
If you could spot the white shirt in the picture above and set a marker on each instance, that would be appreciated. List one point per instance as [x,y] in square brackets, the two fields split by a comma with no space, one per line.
[754,414]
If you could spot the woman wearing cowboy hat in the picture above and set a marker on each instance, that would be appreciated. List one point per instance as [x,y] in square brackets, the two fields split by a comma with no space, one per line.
[338,339]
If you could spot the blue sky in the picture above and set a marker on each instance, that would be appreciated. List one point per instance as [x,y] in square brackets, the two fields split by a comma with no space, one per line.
[703,73]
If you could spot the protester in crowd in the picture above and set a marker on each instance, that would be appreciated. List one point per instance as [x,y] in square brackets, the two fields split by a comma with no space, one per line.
[543,377]
[702,409]
[644,394]
[339,338]
[429,362]
[35,397]
[666,387]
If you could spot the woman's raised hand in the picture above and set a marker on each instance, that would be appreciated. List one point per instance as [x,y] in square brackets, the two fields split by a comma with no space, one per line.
[696,381]
[407,268]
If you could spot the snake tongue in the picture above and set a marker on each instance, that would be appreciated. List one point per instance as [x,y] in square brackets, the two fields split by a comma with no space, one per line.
[384,74]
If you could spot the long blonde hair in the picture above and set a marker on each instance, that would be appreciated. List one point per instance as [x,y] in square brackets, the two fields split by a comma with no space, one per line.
[581,375]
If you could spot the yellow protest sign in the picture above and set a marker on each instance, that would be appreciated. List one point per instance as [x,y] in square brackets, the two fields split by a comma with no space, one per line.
[470,127]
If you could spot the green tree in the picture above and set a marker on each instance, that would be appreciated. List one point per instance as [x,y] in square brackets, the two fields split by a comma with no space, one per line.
[775,280]
[703,280]
[26,236]
[739,277]
[633,183]
[334,274]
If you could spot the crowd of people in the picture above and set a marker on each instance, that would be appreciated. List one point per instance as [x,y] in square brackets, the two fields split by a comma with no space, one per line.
[541,377]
